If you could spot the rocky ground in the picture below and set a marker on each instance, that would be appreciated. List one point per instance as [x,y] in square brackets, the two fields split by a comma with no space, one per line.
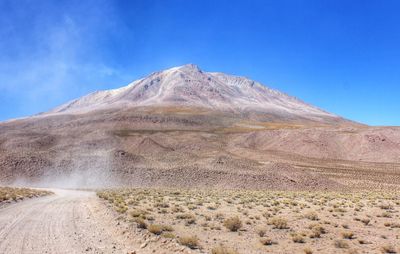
[170,147]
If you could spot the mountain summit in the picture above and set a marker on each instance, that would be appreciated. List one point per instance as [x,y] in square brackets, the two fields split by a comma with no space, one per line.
[189,86]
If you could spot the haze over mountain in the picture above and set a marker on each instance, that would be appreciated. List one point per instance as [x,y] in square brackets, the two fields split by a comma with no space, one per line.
[186,127]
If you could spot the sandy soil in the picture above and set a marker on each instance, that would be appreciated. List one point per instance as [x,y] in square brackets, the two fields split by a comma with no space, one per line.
[66,222]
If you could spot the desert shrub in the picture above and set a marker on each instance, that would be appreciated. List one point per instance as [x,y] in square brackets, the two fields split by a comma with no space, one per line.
[189,241]
[279,223]
[168,235]
[155,229]
[388,249]
[341,244]
[348,235]
[223,250]
[233,224]
[140,223]
[317,231]
[137,213]
[184,216]
[297,238]
[261,232]
[167,228]
[366,221]
[122,209]
[386,206]
[307,250]
[266,241]
[311,216]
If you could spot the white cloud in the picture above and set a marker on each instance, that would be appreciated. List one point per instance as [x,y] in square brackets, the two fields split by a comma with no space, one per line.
[56,60]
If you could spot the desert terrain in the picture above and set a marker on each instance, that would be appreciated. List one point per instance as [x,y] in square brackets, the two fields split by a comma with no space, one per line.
[199,162]
[221,221]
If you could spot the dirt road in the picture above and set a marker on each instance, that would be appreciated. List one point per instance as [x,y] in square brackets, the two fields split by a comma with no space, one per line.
[67,222]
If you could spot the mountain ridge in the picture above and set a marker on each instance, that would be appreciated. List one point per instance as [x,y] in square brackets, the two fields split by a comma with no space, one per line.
[189,86]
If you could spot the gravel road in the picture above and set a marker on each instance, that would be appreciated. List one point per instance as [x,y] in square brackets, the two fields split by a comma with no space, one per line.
[66,222]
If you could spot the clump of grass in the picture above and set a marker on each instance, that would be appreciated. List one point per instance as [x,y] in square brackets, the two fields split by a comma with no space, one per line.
[155,229]
[137,213]
[348,235]
[298,238]
[233,223]
[307,250]
[311,216]
[189,241]
[266,241]
[167,228]
[168,235]
[261,232]
[223,250]
[341,244]
[140,223]
[366,221]
[388,249]
[316,231]
[279,223]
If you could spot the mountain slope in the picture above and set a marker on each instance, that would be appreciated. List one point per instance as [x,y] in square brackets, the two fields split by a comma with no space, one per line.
[191,87]
[187,128]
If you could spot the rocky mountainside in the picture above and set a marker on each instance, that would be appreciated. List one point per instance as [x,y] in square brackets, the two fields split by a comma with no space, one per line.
[191,87]
[187,128]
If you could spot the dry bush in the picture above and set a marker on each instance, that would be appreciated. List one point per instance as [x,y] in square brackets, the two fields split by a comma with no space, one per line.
[266,241]
[261,232]
[388,249]
[307,250]
[233,224]
[138,213]
[311,216]
[348,235]
[317,231]
[140,223]
[223,250]
[297,238]
[279,223]
[189,241]
[366,221]
[155,229]
[341,244]
[168,235]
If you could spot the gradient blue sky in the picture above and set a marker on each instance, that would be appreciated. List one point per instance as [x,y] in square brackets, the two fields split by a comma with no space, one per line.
[342,56]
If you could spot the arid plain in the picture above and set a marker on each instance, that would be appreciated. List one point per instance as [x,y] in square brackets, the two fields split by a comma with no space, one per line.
[190,161]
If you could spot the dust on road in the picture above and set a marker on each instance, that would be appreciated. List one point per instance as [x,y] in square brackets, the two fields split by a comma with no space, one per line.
[62,223]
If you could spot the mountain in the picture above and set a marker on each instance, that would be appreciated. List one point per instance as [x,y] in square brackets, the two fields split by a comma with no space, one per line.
[189,86]
[184,127]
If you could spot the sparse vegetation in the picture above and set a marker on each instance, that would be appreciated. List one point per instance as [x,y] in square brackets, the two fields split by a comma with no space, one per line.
[9,194]
[273,220]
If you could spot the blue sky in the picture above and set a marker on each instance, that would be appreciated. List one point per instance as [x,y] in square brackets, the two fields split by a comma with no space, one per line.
[342,56]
